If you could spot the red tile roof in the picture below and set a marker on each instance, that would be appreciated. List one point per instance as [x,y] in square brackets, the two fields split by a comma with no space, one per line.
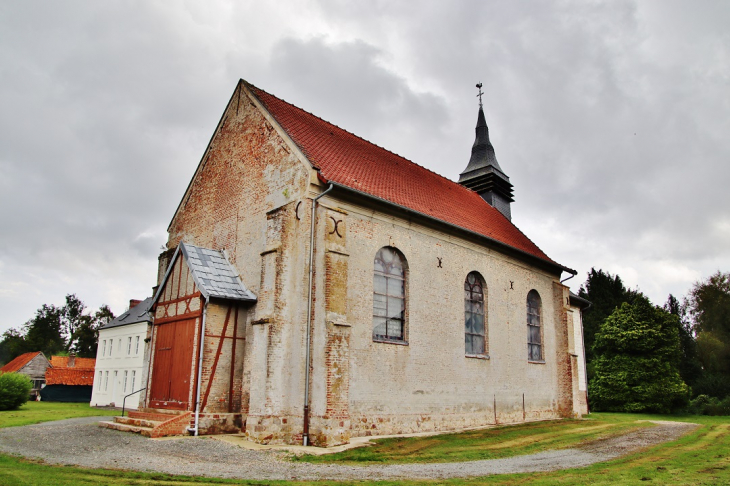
[19,362]
[70,376]
[62,362]
[351,161]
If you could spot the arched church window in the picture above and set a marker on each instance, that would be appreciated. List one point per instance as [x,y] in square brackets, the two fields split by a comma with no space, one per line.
[389,295]
[534,327]
[475,330]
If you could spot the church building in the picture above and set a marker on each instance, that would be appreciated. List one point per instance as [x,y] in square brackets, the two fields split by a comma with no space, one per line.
[318,287]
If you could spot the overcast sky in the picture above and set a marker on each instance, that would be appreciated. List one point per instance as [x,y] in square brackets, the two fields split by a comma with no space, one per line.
[612,121]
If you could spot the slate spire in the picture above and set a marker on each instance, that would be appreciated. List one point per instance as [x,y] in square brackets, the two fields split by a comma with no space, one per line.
[483,173]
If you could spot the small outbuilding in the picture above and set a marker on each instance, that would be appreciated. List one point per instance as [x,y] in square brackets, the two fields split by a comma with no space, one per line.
[69,379]
[33,365]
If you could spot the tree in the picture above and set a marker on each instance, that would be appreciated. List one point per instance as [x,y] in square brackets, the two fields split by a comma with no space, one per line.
[45,331]
[86,335]
[709,306]
[72,318]
[605,292]
[12,345]
[56,330]
[690,367]
[636,365]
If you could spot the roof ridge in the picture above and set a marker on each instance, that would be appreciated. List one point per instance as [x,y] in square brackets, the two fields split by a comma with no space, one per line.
[353,134]
[350,160]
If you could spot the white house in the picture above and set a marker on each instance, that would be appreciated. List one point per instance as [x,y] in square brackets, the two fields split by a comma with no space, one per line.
[120,357]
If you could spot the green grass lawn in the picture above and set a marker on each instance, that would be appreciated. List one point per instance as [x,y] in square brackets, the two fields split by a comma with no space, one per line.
[699,458]
[492,443]
[37,412]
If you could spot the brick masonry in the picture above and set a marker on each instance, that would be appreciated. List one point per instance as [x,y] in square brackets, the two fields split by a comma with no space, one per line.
[252,195]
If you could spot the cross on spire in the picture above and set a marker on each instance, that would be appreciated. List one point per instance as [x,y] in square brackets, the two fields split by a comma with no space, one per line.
[479,86]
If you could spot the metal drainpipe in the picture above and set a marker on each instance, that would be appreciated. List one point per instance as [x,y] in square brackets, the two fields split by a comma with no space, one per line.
[305,432]
[585,363]
[200,367]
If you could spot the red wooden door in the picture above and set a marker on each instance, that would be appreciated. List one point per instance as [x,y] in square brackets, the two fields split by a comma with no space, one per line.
[172,366]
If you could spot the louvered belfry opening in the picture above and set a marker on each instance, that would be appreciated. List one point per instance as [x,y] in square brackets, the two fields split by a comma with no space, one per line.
[483,174]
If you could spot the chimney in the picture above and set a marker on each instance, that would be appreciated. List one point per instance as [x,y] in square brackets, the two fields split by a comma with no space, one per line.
[71,359]
[134,303]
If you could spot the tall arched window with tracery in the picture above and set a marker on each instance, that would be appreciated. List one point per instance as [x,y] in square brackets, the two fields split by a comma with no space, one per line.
[534,326]
[389,296]
[475,323]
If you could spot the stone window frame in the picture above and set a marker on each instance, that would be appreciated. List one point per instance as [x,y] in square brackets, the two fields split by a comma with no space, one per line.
[378,312]
[535,325]
[469,302]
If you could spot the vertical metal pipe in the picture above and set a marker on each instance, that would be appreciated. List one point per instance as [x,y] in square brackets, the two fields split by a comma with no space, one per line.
[585,363]
[201,341]
[305,432]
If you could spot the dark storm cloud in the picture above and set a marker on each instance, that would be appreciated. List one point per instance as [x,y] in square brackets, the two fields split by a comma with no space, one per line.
[349,87]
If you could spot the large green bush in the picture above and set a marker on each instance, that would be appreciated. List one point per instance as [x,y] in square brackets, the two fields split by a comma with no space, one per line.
[705,405]
[636,366]
[14,390]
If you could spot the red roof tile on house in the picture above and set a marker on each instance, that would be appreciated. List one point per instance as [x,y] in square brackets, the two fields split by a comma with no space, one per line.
[19,362]
[70,376]
[351,161]
[62,362]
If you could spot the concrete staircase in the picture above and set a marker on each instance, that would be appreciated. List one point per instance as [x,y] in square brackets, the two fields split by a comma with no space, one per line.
[152,422]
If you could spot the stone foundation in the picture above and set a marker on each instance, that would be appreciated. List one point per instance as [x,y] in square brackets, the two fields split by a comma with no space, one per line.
[219,423]
[274,430]
[328,432]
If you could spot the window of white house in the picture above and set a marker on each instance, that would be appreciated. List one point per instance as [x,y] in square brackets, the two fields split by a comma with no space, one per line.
[134,373]
[136,346]
[389,296]
[106,380]
[475,331]
[111,346]
[119,345]
[98,384]
[103,348]
[129,345]
[124,383]
[534,327]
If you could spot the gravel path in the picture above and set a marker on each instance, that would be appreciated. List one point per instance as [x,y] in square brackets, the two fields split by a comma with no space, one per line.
[81,442]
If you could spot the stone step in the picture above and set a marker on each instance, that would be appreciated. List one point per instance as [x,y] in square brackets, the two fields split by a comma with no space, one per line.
[137,422]
[156,417]
[145,431]
[164,411]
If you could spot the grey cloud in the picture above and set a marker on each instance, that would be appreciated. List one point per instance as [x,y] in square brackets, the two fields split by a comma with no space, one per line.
[610,119]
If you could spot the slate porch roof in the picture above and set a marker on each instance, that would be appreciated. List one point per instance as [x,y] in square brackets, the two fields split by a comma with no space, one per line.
[18,362]
[138,313]
[213,274]
[348,160]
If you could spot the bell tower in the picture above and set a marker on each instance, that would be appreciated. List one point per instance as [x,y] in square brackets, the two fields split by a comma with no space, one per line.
[483,173]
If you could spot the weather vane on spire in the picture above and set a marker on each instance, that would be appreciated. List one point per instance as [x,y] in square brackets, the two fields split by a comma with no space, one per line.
[479,85]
